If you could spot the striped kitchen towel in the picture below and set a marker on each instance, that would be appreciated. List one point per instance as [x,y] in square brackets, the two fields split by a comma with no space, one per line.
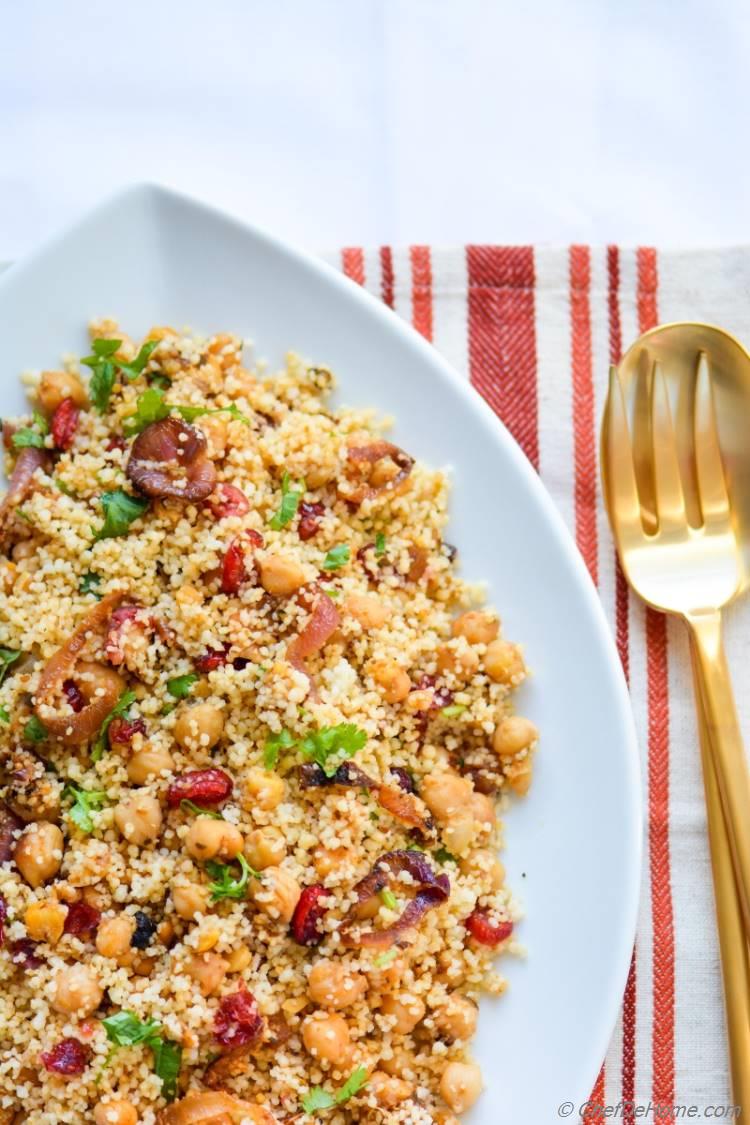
[534,330]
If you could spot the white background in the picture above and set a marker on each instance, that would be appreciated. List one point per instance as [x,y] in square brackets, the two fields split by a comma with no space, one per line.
[370,121]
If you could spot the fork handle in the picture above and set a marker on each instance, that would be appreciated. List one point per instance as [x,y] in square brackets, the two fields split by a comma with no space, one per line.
[725,743]
[733,947]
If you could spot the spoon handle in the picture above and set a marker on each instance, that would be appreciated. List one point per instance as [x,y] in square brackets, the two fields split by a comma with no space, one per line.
[725,744]
[733,947]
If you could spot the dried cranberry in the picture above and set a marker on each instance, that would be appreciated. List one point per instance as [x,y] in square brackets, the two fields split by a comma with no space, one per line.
[441,696]
[122,731]
[3,919]
[307,913]
[74,695]
[370,564]
[81,920]
[227,500]
[204,787]
[67,1057]
[310,515]
[212,658]
[145,928]
[404,779]
[237,1020]
[116,442]
[65,423]
[484,930]
[23,952]
[234,568]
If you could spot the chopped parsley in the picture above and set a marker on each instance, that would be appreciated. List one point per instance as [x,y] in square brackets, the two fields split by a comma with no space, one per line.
[64,488]
[384,959]
[442,855]
[453,711]
[125,1030]
[8,656]
[290,499]
[318,1098]
[225,883]
[35,731]
[84,801]
[274,745]
[104,367]
[388,899]
[126,700]
[33,435]
[120,509]
[379,545]
[152,407]
[4,715]
[89,583]
[190,806]
[180,686]
[336,557]
[330,746]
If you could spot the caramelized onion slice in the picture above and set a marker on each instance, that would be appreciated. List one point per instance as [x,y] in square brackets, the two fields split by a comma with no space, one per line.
[323,623]
[168,458]
[19,485]
[406,807]
[214,1107]
[431,890]
[70,726]
[362,481]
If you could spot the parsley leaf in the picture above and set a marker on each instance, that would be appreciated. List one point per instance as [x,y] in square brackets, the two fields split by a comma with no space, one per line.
[190,413]
[388,899]
[89,583]
[120,509]
[126,700]
[8,656]
[379,545]
[336,557]
[225,885]
[134,367]
[125,1029]
[149,407]
[4,715]
[31,435]
[442,855]
[64,488]
[330,746]
[384,959]
[190,806]
[180,686]
[289,502]
[104,367]
[35,731]
[84,800]
[453,711]
[275,743]
[318,1098]
[103,349]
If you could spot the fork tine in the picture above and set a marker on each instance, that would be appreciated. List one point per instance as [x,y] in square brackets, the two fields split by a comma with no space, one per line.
[712,488]
[624,505]
[670,500]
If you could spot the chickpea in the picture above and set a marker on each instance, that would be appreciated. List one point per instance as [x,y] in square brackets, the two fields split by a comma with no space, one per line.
[327,860]
[503,663]
[39,853]
[398,1063]
[518,774]
[393,681]
[326,1036]
[55,386]
[151,761]
[265,847]
[482,809]
[512,735]
[461,1085]
[117,1112]
[45,921]
[213,839]
[389,1091]
[462,662]
[76,991]
[199,726]
[460,833]
[207,970]
[280,576]
[484,864]
[277,894]
[261,789]
[457,1017]
[139,818]
[190,899]
[368,610]
[333,985]
[478,628]
[447,795]
[239,959]
[407,1009]
[114,935]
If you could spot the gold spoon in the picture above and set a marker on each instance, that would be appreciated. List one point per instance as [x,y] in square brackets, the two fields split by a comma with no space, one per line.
[686,550]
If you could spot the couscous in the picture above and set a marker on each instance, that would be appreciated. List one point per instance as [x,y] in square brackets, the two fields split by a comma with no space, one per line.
[255,731]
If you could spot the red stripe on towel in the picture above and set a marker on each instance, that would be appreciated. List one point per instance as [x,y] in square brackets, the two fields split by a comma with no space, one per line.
[421,290]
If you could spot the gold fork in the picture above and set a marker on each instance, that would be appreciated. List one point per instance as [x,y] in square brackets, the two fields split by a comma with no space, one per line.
[692,571]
